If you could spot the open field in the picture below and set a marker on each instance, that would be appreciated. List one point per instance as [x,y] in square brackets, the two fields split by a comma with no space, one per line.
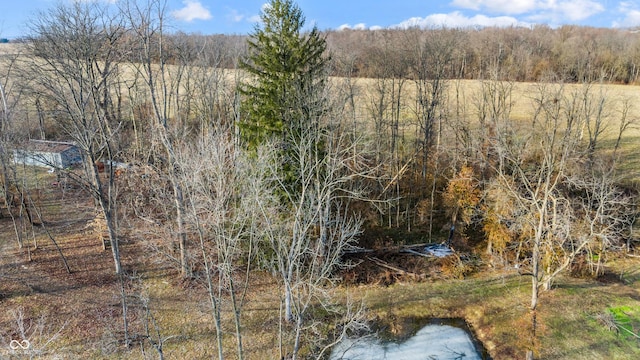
[521,99]
[463,97]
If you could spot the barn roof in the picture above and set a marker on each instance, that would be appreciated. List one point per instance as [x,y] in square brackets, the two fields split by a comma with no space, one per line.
[48,146]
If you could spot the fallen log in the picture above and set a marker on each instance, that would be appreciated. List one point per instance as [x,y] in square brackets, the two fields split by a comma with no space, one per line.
[413,252]
[415,249]
[397,270]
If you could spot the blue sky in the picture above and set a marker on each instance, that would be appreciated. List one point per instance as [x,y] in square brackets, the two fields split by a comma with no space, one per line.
[239,17]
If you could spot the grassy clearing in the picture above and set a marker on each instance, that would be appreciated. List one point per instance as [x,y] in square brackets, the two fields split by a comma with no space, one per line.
[487,303]
[495,304]
[624,318]
[573,328]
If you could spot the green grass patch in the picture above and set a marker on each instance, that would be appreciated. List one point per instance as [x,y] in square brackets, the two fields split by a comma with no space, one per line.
[625,317]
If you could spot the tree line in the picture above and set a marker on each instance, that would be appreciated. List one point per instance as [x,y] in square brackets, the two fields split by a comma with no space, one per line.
[568,53]
[246,155]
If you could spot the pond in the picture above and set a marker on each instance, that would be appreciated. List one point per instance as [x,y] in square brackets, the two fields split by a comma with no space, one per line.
[441,339]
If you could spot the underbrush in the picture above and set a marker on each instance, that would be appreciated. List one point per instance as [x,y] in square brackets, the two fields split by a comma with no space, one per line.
[79,315]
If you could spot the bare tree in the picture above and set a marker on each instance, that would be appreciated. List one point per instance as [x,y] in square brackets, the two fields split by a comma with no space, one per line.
[308,229]
[8,177]
[29,337]
[147,23]
[16,192]
[432,59]
[532,168]
[76,51]
[75,63]
[593,108]
[604,212]
[213,102]
[560,210]
[385,106]
[221,183]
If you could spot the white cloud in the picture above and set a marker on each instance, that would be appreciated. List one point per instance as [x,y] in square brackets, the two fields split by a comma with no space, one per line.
[630,13]
[458,20]
[192,10]
[254,19]
[235,16]
[467,4]
[500,6]
[360,26]
[574,10]
[632,19]
[554,11]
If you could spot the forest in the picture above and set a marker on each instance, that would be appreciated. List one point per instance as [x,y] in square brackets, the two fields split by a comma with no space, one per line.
[267,196]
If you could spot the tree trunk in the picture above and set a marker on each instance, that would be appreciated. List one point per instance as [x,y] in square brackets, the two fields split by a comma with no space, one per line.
[236,317]
[105,202]
[534,275]
[288,311]
[113,241]
[296,345]
[182,236]
[125,321]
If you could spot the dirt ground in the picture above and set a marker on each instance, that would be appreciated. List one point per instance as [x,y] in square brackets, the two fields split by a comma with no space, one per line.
[78,314]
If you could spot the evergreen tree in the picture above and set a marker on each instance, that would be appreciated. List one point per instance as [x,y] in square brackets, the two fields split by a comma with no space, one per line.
[284,95]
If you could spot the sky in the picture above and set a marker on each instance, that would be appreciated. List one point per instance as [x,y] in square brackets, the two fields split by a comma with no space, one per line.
[241,16]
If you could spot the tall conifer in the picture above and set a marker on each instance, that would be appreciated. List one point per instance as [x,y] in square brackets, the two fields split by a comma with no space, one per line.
[284,95]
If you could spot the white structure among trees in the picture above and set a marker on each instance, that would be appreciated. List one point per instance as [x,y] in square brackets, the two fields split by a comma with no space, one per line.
[52,154]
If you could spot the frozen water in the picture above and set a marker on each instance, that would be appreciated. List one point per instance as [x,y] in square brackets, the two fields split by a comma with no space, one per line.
[442,342]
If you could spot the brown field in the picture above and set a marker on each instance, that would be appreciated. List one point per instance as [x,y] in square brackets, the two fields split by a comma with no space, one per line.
[522,102]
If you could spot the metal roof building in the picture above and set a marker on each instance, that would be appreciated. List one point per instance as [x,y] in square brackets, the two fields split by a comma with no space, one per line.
[51,154]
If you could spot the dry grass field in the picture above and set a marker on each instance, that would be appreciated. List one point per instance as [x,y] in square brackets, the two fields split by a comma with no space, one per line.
[522,97]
